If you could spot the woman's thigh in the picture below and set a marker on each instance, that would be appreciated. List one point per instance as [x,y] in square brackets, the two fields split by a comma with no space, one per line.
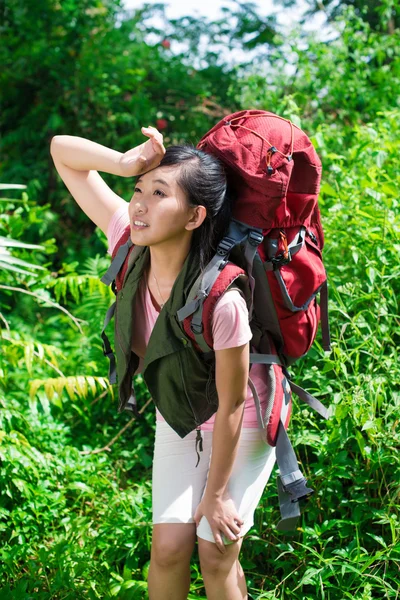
[177,484]
[250,474]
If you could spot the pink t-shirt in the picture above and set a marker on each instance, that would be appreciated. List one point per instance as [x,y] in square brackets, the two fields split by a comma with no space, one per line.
[230,327]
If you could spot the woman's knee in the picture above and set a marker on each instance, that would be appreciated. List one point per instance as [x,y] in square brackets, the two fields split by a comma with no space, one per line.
[213,561]
[172,543]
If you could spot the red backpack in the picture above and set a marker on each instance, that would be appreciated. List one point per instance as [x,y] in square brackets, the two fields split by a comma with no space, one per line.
[275,238]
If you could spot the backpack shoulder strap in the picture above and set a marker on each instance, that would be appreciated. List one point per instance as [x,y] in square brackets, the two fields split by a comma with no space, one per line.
[118,256]
[196,315]
[123,256]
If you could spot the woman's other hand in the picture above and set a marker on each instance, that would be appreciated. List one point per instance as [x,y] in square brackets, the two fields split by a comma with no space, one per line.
[222,517]
[145,157]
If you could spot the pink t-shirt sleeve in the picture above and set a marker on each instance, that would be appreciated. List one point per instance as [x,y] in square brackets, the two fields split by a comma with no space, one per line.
[230,323]
[116,226]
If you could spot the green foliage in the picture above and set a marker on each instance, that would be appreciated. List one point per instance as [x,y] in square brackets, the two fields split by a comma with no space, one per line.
[75,495]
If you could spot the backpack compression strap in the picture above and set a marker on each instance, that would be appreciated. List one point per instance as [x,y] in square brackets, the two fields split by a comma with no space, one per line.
[291,482]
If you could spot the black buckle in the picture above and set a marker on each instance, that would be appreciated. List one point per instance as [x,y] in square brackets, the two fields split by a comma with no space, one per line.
[279,261]
[312,237]
[298,490]
[255,238]
[225,246]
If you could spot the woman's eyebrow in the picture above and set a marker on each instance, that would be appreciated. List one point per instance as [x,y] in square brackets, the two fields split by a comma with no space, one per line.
[155,181]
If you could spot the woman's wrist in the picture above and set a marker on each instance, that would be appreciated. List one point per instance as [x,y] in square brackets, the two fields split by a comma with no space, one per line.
[82,154]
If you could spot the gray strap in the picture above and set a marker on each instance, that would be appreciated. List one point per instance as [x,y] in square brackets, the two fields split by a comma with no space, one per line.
[237,232]
[291,482]
[287,299]
[326,336]
[107,350]
[326,413]
[263,420]
[131,405]
[117,263]
[209,277]
[298,243]
[207,281]
[290,511]
[265,359]
[260,419]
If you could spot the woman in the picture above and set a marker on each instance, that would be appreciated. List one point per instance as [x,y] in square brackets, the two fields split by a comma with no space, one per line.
[181,199]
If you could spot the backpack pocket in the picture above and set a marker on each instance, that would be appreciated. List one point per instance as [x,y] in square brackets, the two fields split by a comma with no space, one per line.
[294,286]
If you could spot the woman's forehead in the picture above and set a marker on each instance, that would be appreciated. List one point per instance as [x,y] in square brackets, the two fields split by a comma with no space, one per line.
[167,172]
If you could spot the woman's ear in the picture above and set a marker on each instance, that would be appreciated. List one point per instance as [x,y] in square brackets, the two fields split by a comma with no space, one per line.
[197,218]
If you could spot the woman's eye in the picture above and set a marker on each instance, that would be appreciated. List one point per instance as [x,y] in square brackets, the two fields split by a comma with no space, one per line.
[138,189]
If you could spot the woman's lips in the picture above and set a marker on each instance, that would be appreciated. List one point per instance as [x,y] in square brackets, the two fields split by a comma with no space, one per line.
[137,227]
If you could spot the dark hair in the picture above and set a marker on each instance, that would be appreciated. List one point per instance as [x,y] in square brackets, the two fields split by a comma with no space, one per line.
[203,178]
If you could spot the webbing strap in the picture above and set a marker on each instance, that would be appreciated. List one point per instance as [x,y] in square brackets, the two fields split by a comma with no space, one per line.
[298,243]
[107,350]
[326,336]
[291,482]
[195,306]
[265,359]
[326,413]
[131,405]
[117,263]
[208,278]
[260,419]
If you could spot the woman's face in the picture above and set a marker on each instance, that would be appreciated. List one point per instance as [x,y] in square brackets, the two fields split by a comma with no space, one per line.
[159,202]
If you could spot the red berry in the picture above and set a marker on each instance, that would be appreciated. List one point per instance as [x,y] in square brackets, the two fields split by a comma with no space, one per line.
[166,43]
[162,123]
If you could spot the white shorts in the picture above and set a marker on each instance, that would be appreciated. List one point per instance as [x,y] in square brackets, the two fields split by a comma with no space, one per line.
[178,486]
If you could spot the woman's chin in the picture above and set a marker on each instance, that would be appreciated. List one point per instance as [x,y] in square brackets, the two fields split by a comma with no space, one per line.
[138,238]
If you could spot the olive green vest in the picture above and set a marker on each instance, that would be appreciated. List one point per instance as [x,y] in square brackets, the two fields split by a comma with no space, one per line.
[180,381]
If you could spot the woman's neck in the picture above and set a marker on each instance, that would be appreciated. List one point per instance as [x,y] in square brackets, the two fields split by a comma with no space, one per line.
[166,263]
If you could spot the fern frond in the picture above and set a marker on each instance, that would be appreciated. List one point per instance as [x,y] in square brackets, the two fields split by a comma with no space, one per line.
[96,266]
[75,386]
[77,286]
[44,352]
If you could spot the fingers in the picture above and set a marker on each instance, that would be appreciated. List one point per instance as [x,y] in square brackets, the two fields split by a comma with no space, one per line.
[231,532]
[153,132]
[156,138]
[219,543]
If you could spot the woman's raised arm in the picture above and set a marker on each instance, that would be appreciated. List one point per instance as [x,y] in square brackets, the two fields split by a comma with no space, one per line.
[78,161]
